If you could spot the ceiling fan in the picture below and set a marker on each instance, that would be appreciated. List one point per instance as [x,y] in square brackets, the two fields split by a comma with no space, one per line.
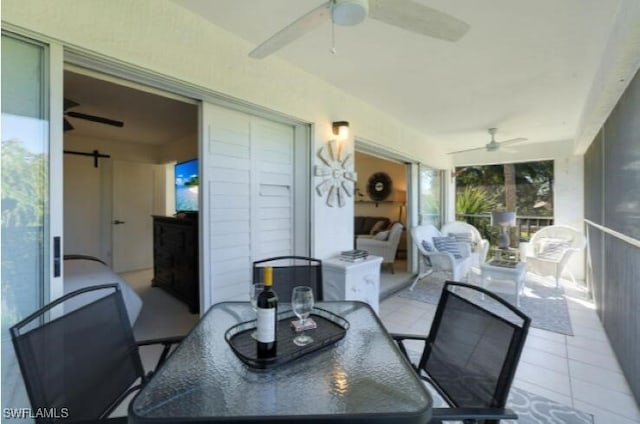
[68,104]
[405,14]
[493,145]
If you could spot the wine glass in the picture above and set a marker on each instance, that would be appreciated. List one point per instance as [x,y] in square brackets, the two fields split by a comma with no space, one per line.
[254,292]
[302,304]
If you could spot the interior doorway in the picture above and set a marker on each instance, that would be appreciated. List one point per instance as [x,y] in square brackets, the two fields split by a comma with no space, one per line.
[121,142]
[381,198]
[109,121]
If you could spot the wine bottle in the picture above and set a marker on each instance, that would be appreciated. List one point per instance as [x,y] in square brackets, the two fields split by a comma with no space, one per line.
[267,314]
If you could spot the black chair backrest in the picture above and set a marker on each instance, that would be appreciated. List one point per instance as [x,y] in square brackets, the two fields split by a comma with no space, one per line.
[291,271]
[476,341]
[84,360]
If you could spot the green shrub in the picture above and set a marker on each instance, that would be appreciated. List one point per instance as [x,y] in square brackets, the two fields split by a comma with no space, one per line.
[474,201]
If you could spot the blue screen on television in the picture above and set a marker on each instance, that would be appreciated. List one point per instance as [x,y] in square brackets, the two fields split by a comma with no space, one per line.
[187,182]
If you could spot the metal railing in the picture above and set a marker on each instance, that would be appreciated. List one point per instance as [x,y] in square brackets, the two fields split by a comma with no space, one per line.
[526,225]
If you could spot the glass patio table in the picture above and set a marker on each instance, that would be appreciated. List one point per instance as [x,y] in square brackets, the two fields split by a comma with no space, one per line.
[362,378]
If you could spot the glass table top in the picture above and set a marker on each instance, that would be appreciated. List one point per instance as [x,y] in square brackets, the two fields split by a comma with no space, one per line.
[362,377]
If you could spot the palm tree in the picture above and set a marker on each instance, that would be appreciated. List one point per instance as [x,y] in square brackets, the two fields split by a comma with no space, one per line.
[476,200]
[510,187]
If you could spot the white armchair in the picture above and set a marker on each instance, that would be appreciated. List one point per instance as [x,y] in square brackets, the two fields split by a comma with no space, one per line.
[479,246]
[551,248]
[436,261]
[386,248]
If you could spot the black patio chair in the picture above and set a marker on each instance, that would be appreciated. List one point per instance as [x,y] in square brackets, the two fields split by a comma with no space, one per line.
[471,353]
[291,271]
[85,361]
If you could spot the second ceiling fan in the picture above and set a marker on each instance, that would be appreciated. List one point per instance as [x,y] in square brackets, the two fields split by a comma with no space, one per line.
[68,104]
[493,145]
[405,14]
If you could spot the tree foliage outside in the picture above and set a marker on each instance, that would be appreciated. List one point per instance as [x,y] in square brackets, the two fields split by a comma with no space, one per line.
[430,200]
[526,188]
[533,185]
[23,219]
[476,200]
[23,185]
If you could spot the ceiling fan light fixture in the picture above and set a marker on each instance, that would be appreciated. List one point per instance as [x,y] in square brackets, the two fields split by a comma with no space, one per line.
[349,12]
[492,147]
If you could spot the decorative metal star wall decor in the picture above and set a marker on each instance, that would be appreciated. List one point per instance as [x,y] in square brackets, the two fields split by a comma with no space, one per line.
[338,180]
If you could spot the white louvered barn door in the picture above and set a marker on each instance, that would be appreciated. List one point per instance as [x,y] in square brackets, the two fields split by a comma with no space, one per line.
[272,189]
[247,172]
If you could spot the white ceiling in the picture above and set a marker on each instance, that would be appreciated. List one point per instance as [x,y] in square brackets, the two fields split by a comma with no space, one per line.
[525,67]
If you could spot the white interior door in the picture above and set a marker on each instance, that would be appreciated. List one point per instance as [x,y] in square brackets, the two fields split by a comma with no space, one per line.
[132,224]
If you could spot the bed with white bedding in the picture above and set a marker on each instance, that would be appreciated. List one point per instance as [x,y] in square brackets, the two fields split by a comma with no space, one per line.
[82,271]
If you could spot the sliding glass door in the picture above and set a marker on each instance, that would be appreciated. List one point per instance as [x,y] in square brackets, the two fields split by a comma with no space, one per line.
[430,200]
[28,242]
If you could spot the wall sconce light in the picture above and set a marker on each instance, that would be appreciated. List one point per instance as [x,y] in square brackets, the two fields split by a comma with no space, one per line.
[341,129]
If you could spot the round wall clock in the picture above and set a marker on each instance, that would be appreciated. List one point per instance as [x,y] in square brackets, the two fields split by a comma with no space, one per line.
[379,186]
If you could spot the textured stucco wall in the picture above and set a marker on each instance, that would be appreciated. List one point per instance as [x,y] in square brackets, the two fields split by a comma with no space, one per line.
[160,36]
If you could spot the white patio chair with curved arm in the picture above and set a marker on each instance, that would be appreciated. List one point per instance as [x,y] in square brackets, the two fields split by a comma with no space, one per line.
[432,260]
[386,248]
[479,245]
[551,248]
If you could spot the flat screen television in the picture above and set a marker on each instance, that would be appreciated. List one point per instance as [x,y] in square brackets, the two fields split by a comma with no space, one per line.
[187,182]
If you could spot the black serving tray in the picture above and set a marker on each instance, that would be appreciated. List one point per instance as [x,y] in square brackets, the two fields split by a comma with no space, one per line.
[330,328]
[503,263]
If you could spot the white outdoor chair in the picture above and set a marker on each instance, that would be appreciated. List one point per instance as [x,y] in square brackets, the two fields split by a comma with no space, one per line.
[435,261]
[551,248]
[479,246]
[386,248]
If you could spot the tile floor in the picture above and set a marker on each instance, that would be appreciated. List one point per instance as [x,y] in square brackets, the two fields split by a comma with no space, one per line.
[580,371]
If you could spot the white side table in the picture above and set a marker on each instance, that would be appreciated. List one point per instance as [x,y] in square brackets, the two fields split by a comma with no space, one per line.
[344,280]
[491,271]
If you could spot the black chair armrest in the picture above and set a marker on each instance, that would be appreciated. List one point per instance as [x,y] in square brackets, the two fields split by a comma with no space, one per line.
[164,341]
[459,414]
[167,342]
[399,338]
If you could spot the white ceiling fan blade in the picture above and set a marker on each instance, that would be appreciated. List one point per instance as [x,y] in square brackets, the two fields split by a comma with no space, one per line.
[415,17]
[468,150]
[511,141]
[291,32]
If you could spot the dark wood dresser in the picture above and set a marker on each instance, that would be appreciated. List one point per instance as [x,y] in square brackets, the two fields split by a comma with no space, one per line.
[175,258]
